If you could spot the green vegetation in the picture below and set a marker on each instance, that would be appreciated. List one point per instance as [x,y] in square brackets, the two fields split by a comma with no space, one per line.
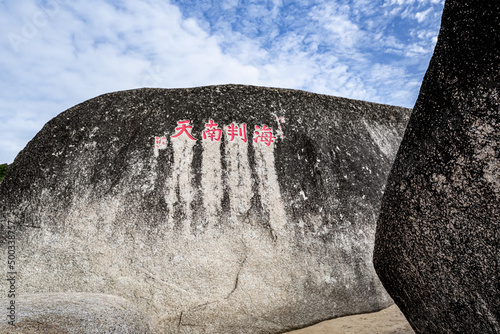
[3,171]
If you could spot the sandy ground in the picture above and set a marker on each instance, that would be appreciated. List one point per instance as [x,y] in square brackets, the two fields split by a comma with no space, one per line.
[387,321]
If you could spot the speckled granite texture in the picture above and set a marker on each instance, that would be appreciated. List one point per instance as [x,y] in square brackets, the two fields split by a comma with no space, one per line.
[75,313]
[228,236]
[437,242]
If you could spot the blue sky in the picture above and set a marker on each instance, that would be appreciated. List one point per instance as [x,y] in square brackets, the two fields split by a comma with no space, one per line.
[57,53]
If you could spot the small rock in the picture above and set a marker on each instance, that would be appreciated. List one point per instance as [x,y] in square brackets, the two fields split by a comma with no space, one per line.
[75,313]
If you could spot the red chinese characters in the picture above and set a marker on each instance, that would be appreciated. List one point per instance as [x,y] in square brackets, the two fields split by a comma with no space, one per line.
[212,131]
[160,142]
[264,135]
[184,126]
[234,131]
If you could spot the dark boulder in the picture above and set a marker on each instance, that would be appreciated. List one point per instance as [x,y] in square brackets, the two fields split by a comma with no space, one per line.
[437,243]
[226,233]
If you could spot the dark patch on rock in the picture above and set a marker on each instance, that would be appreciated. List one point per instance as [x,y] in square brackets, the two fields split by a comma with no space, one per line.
[437,237]
[207,236]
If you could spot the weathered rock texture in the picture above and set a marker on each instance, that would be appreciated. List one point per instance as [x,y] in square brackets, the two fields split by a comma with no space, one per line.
[437,243]
[75,313]
[207,236]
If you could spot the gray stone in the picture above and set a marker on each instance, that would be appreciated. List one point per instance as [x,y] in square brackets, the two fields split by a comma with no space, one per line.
[206,236]
[75,313]
[437,243]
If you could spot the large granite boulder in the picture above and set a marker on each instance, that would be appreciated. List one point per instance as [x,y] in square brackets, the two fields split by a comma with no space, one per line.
[75,313]
[224,209]
[437,243]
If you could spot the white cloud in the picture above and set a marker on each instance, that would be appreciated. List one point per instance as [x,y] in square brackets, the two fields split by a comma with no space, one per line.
[420,16]
[335,19]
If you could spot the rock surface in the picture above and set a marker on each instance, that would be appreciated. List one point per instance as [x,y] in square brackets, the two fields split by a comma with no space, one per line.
[75,313]
[207,236]
[437,243]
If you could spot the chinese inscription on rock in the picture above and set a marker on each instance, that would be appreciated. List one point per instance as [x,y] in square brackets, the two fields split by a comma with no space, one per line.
[213,132]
